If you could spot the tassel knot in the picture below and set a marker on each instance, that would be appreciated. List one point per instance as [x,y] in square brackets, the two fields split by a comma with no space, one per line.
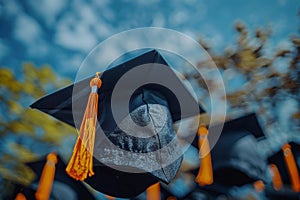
[52,159]
[96,81]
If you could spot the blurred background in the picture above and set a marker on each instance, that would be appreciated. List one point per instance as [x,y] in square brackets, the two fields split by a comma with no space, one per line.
[255,45]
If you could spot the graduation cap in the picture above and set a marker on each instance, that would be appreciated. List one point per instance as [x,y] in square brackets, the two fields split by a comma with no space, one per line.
[23,193]
[284,168]
[52,182]
[147,105]
[236,160]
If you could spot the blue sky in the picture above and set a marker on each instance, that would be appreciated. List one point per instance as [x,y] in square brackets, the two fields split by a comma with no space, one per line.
[61,32]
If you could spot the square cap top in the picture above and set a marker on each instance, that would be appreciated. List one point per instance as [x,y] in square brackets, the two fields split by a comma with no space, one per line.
[247,124]
[59,104]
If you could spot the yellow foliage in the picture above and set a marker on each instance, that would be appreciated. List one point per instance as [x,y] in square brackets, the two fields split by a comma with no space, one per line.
[46,75]
[17,127]
[15,107]
[21,120]
[21,174]
[23,153]
[8,81]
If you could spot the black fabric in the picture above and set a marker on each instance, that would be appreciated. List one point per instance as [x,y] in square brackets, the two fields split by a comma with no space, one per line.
[284,193]
[237,161]
[119,184]
[244,123]
[28,192]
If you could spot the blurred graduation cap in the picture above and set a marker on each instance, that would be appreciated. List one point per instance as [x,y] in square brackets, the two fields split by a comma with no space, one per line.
[52,182]
[236,160]
[63,105]
[284,168]
[179,188]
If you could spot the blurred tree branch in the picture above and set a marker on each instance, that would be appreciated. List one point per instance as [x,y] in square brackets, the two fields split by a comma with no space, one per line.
[268,78]
[26,133]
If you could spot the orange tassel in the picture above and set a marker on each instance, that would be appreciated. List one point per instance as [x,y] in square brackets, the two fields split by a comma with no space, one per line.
[276,178]
[205,174]
[109,197]
[20,196]
[80,165]
[292,167]
[46,181]
[153,192]
[259,186]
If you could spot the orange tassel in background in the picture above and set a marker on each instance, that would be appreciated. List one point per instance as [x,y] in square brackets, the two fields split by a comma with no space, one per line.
[20,196]
[153,192]
[205,174]
[109,197]
[80,165]
[276,178]
[46,181]
[259,186]
[292,167]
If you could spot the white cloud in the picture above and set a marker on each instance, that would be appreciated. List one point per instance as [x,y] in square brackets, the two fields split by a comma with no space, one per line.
[213,37]
[143,2]
[287,108]
[285,45]
[26,30]
[86,13]
[83,26]
[48,10]
[159,20]
[282,2]
[4,49]
[91,18]
[103,29]
[10,8]
[178,17]
[70,64]
[75,34]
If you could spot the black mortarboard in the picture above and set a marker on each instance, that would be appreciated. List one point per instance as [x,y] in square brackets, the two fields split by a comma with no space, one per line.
[64,187]
[284,193]
[236,159]
[287,189]
[59,104]
[67,106]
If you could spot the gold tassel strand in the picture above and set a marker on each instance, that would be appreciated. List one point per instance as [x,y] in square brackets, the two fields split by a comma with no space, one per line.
[80,165]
